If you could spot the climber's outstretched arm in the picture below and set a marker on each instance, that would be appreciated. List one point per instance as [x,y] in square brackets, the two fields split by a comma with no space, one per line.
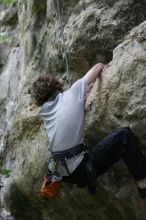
[92,74]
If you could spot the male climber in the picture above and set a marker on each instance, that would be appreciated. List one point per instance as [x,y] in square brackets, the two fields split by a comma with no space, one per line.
[63,116]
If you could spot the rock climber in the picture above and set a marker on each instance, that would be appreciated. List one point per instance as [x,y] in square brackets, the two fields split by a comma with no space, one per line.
[63,116]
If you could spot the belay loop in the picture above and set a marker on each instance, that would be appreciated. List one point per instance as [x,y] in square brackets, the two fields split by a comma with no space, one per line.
[63,43]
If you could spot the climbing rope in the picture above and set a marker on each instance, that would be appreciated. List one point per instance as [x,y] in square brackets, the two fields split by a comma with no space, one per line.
[63,43]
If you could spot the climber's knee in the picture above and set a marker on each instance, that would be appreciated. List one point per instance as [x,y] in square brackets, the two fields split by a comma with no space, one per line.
[122,131]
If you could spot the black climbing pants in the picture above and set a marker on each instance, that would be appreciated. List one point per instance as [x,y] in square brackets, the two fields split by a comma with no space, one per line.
[120,144]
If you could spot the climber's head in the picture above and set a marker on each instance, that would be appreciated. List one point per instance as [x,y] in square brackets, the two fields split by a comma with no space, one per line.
[44,87]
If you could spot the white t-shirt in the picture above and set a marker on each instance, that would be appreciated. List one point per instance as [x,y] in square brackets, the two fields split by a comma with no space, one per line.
[64,121]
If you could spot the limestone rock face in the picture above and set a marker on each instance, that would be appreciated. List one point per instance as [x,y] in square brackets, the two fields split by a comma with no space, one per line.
[8,32]
[118,97]
[95,31]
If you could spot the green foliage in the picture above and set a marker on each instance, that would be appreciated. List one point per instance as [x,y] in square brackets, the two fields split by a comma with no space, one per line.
[4,38]
[7,2]
[5,172]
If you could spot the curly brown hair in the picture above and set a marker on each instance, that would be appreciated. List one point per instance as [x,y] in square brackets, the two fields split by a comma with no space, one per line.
[44,87]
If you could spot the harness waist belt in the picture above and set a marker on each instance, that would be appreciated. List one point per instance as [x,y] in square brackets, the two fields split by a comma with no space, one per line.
[65,154]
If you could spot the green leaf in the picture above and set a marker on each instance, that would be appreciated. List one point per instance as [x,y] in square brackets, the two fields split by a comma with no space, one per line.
[4,38]
[5,172]
[7,2]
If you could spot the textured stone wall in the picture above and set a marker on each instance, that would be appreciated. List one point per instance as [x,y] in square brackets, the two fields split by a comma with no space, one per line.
[113,32]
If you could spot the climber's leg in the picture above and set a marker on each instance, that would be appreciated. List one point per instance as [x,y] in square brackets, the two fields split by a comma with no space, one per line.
[121,143]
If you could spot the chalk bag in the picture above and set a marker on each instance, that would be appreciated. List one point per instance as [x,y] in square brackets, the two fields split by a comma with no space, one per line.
[51,185]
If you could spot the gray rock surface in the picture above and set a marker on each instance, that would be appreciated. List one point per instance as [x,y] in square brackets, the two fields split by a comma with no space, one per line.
[95,31]
[119,94]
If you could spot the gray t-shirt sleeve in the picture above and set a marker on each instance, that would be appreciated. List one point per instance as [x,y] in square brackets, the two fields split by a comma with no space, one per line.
[79,88]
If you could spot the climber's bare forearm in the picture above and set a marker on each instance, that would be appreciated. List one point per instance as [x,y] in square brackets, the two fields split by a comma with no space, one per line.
[93,73]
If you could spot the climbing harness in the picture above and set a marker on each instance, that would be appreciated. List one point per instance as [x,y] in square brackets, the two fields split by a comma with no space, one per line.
[62,156]
[65,154]
[63,43]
